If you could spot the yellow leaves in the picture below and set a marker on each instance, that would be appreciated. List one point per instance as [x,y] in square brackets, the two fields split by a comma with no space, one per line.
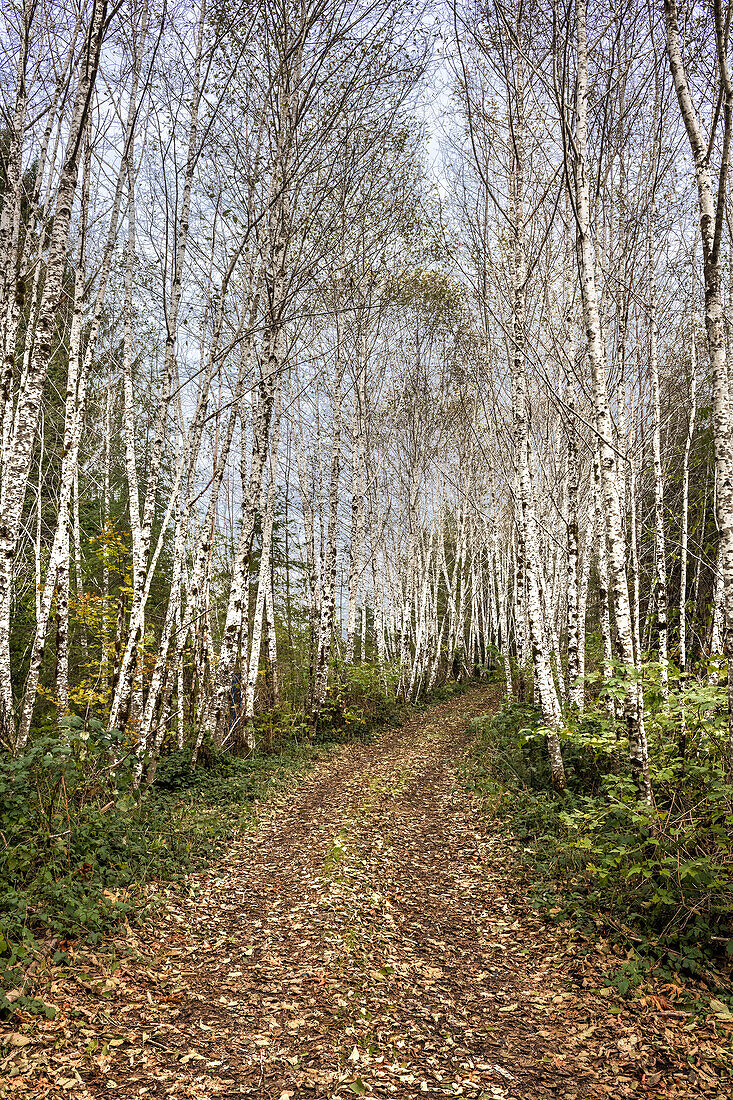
[113,544]
[87,694]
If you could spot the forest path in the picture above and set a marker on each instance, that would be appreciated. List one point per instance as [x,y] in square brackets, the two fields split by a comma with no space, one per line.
[365,939]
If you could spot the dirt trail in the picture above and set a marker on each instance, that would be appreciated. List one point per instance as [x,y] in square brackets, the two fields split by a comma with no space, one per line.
[363,940]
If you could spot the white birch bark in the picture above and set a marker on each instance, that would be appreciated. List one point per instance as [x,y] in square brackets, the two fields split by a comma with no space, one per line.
[358,505]
[16,469]
[717,630]
[590,527]
[10,219]
[575,686]
[142,526]
[596,352]
[503,606]
[272,668]
[605,616]
[79,373]
[268,383]
[684,535]
[529,542]
[711,205]
[129,407]
[69,467]
[78,573]
[264,581]
[659,540]
[328,576]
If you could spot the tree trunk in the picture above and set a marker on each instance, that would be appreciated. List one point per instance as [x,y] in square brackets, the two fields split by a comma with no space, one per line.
[604,426]
[17,468]
[686,507]
[712,209]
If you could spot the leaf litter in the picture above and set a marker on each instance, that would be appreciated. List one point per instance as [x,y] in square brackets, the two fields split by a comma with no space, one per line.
[367,938]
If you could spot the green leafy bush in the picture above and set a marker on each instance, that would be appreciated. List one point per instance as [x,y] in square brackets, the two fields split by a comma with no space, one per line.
[361,699]
[665,873]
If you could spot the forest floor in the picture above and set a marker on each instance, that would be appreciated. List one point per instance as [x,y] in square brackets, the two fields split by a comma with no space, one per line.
[366,938]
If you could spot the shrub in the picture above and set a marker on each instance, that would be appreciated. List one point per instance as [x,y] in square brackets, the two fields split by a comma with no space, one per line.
[665,873]
[362,698]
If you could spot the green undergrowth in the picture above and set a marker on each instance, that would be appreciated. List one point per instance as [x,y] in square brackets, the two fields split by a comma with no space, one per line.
[655,882]
[82,851]
[361,698]
[451,689]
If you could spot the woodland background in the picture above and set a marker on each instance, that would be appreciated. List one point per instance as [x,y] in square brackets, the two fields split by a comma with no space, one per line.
[351,352]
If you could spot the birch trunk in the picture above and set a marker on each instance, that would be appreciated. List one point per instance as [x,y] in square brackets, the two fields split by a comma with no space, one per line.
[78,574]
[328,578]
[686,507]
[605,616]
[264,582]
[659,540]
[358,508]
[712,210]
[17,468]
[73,412]
[268,383]
[582,605]
[10,221]
[143,527]
[529,543]
[604,426]
[574,625]
[272,669]
[76,404]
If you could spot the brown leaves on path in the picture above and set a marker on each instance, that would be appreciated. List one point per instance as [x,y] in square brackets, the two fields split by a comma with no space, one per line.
[366,939]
